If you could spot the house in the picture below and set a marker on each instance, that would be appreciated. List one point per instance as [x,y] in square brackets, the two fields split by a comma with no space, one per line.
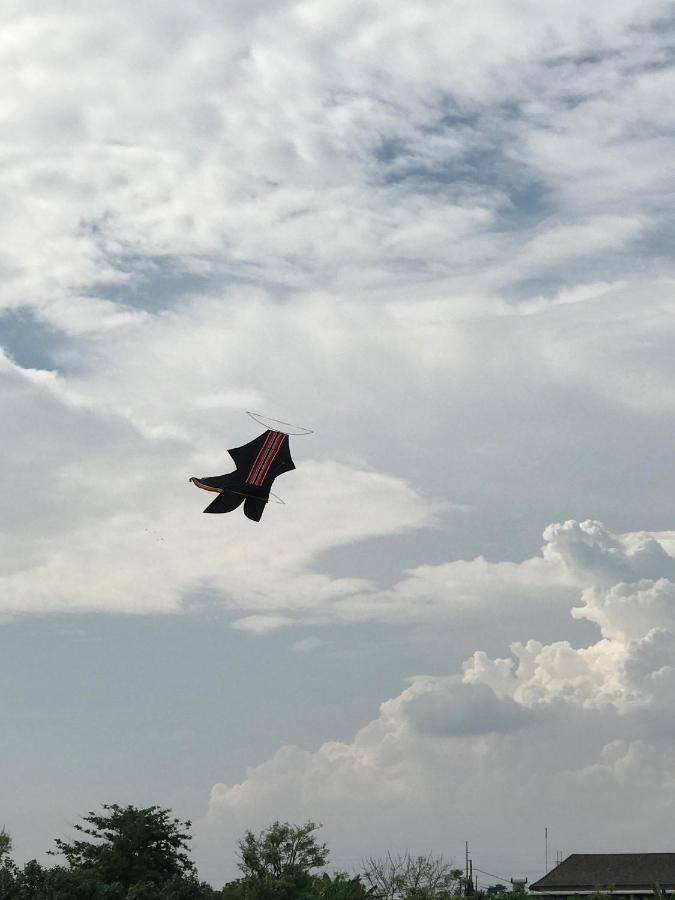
[629,876]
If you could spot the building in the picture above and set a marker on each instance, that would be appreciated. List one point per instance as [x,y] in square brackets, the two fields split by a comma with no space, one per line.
[629,876]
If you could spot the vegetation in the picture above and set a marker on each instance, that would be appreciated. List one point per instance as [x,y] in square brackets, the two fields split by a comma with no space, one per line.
[130,853]
[131,846]
[405,877]
[277,864]
[5,844]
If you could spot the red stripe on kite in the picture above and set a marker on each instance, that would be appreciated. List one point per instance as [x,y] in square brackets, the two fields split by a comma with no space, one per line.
[274,449]
[251,477]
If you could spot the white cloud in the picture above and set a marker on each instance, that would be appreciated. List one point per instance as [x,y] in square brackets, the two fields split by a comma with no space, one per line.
[627,611]
[274,143]
[593,551]
[553,727]
[261,623]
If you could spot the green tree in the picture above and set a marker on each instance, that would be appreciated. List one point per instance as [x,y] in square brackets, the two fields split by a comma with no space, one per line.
[277,863]
[7,873]
[339,887]
[5,844]
[178,887]
[235,890]
[131,846]
[7,867]
[36,882]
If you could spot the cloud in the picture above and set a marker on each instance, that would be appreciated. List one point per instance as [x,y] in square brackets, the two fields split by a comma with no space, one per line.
[589,548]
[626,610]
[107,467]
[553,726]
[272,145]
[92,504]
[260,623]
[308,645]
[449,708]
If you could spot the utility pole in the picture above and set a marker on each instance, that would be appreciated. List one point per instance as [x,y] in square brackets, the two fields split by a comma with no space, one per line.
[466,869]
[546,843]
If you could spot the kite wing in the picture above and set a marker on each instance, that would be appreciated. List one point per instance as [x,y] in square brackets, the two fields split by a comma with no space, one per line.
[258,463]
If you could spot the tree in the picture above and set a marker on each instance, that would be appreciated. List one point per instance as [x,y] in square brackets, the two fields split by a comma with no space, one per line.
[277,863]
[36,882]
[178,887]
[7,867]
[405,877]
[5,844]
[234,890]
[131,846]
[339,887]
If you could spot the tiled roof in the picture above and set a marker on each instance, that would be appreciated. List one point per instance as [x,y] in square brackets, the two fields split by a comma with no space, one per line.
[617,870]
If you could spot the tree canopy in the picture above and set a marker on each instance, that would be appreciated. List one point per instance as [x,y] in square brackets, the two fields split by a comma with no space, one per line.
[131,853]
[407,877]
[130,845]
[5,844]
[277,862]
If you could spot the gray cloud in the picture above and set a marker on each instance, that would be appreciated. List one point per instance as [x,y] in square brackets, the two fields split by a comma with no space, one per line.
[454,709]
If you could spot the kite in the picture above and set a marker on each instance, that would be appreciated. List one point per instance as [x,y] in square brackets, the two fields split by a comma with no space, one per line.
[257,463]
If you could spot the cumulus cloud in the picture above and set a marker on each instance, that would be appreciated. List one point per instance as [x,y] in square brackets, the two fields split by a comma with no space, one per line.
[551,727]
[450,708]
[592,550]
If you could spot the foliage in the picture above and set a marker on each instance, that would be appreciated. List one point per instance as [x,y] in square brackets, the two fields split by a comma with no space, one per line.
[277,863]
[339,887]
[175,888]
[132,846]
[234,890]
[601,893]
[405,877]
[282,849]
[35,882]
[141,854]
[5,844]
[660,894]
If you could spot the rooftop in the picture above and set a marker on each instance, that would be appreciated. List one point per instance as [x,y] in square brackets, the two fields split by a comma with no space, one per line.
[617,870]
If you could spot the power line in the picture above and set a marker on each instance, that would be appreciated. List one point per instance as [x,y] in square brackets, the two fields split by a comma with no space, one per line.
[491,874]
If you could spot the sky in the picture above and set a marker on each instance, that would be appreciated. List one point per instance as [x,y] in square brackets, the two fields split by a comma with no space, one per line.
[439,234]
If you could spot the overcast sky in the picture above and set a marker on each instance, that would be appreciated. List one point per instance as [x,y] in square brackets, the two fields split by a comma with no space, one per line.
[440,234]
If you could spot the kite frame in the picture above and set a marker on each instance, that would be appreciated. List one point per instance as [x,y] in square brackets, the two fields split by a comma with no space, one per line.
[262,419]
[275,497]
[272,497]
